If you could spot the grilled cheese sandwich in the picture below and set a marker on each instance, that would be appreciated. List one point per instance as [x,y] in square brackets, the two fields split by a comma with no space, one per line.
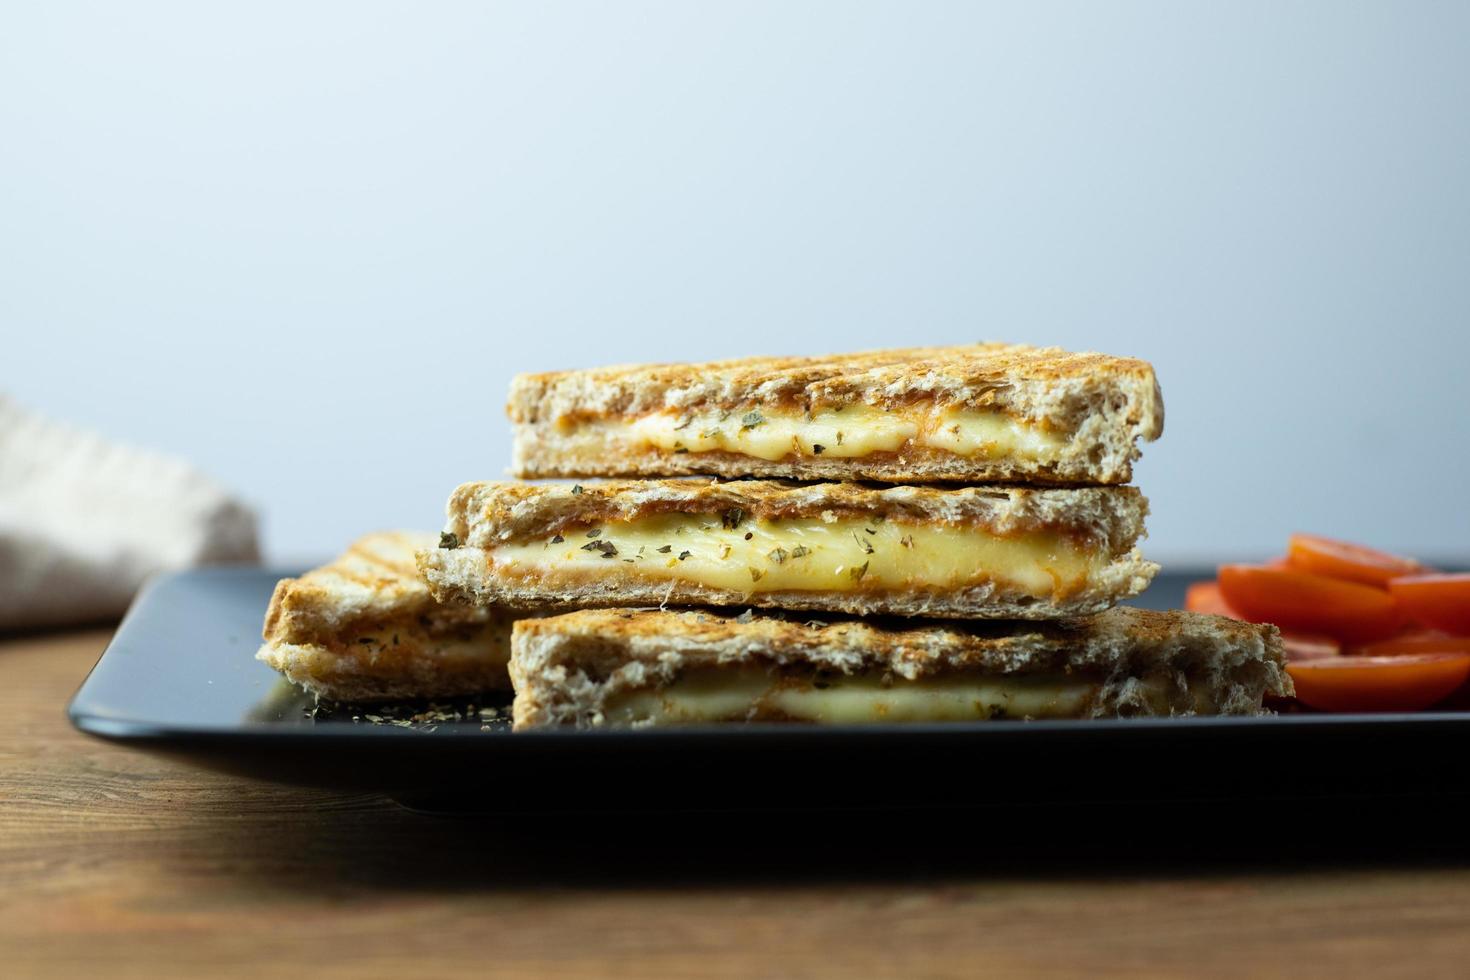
[965,553]
[976,414]
[365,628]
[645,668]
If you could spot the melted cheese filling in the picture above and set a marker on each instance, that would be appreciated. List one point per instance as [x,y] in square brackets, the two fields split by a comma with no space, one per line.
[805,554]
[846,433]
[748,695]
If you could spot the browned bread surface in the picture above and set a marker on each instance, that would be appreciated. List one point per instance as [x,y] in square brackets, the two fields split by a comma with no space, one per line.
[365,627]
[1104,404]
[566,667]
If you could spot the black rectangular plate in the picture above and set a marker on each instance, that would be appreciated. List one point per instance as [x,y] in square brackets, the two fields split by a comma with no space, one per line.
[180,679]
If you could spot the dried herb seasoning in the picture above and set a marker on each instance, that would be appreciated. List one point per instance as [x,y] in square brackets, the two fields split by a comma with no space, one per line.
[751,420]
[448,540]
[732,518]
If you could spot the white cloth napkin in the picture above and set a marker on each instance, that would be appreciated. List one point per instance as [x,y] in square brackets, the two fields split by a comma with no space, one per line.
[83,521]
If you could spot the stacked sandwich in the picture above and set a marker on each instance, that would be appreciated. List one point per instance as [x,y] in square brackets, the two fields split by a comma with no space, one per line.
[955,548]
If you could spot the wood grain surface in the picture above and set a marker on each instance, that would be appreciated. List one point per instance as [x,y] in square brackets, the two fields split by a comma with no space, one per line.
[115,864]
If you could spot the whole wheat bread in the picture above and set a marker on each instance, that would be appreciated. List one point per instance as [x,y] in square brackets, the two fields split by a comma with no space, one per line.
[484,515]
[1101,405]
[365,628]
[565,668]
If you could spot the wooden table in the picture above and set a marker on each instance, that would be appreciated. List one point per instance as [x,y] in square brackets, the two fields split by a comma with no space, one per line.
[118,864]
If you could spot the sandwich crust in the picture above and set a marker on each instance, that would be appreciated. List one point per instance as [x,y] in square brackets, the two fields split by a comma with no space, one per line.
[566,668]
[365,628]
[1101,405]
[1107,521]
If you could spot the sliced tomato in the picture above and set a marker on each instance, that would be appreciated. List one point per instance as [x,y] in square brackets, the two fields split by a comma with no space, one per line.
[1305,603]
[1205,597]
[1350,562]
[1310,646]
[1419,641]
[1406,682]
[1441,601]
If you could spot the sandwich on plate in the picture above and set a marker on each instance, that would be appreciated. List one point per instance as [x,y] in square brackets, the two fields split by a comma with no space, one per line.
[365,628]
[967,553]
[643,668]
[984,413]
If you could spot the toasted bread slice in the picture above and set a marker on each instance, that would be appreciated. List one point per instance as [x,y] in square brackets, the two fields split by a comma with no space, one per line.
[971,553]
[365,628]
[986,413]
[651,667]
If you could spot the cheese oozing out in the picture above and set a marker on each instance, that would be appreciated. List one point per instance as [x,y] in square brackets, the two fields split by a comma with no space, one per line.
[746,694]
[805,554]
[846,433]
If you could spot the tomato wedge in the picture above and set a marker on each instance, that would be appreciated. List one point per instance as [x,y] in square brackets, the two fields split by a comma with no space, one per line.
[1442,601]
[1406,682]
[1350,562]
[1301,602]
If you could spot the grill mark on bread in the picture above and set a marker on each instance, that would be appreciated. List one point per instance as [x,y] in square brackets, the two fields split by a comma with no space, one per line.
[308,610]
[365,627]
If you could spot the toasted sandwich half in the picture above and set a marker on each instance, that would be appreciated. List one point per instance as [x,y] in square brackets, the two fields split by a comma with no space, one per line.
[986,413]
[971,553]
[650,667]
[365,628]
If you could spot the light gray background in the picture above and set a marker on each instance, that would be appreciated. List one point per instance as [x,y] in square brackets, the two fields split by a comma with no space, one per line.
[307,244]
